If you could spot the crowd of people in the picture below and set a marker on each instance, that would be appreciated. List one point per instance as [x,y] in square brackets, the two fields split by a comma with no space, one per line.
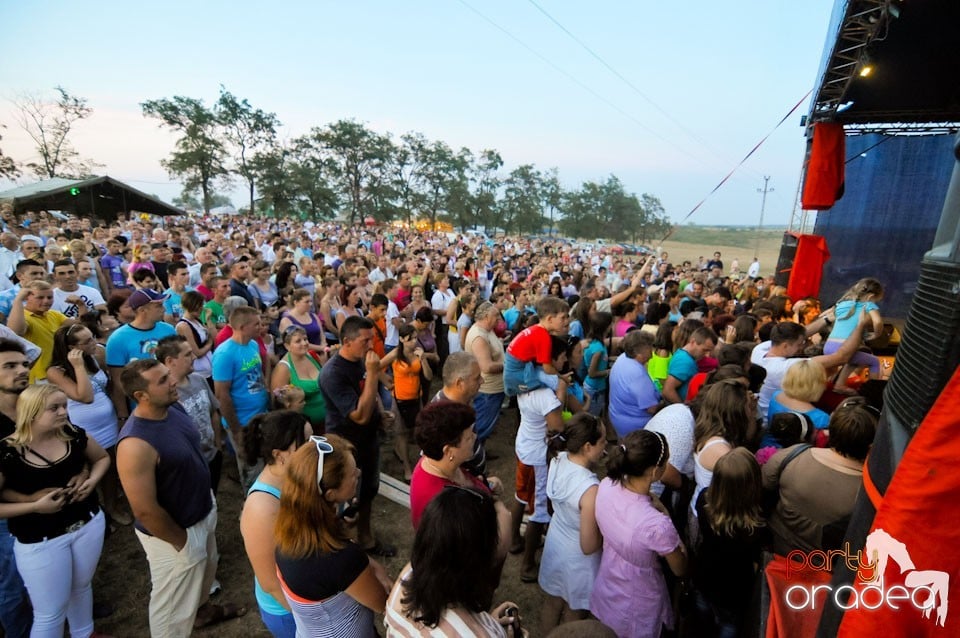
[675,421]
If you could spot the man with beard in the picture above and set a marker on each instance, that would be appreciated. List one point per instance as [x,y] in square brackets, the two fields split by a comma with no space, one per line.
[15,614]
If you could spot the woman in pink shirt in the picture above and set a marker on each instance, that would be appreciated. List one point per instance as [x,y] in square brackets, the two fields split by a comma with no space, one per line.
[630,594]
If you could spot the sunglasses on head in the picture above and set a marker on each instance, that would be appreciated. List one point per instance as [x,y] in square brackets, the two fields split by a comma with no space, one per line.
[323,447]
[859,402]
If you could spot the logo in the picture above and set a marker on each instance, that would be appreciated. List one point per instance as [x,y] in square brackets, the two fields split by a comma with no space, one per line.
[924,590]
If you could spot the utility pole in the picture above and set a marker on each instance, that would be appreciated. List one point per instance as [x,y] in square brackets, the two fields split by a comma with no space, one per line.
[763,205]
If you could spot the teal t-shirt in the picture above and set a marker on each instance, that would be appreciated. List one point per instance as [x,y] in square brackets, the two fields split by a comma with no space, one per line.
[598,384]
[682,367]
[243,368]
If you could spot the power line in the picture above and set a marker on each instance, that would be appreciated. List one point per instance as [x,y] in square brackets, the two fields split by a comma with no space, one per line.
[623,79]
[576,81]
[734,169]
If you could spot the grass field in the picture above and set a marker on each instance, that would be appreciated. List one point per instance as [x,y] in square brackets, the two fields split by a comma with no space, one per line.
[692,242]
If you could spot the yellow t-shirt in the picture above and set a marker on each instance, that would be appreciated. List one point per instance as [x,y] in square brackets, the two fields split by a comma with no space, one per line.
[40,331]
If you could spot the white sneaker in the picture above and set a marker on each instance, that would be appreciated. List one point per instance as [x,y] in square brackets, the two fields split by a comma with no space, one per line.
[215,588]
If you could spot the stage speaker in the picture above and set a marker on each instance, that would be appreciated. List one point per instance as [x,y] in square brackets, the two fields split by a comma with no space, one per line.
[788,252]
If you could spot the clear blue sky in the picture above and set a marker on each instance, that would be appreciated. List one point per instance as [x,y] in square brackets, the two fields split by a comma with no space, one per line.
[713,78]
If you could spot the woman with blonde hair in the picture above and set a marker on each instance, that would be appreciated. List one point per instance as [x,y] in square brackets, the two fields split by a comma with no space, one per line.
[803,385]
[330,584]
[49,472]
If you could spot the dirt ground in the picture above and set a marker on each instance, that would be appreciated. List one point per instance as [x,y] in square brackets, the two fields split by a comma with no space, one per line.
[769,252]
[122,578]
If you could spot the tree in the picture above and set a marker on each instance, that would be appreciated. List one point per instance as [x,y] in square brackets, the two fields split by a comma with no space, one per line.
[657,224]
[486,183]
[200,156]
[552,194]
[8,168]
[521,208]
[459,198]
[439,172]
[188,199]
[607,210]
[48,124]
[272,167]
[404,174]
[247,131]
[362,156]
[314,173]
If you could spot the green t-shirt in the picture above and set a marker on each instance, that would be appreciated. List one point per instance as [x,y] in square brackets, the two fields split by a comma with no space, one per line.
[213,311]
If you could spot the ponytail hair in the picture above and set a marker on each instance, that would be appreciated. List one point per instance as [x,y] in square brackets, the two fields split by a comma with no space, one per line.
[581,429]
[276,430]
[639,451]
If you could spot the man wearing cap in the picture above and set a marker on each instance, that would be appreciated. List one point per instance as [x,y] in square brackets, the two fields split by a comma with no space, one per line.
[136,340]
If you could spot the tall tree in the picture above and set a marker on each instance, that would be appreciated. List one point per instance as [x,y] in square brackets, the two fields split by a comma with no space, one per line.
[459,198]
[315,175]
[200,155]
[552,194]
[522,204]
[273,167]
[486,183]
[8,168]
[404,171]
[247,132]
[363,157]
[439,171]
[49,124]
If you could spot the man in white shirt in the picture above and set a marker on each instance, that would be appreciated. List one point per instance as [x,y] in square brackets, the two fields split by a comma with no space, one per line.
[382,271]
[10,254]
[71,298]
[202,256]
[787,340]
[394,320]
[754,270]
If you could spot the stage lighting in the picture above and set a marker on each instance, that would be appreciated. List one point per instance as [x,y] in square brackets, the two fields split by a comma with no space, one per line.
[866,65]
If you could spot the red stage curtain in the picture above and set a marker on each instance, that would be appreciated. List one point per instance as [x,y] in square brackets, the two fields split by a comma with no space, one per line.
[812,254]
[823,184]
[920,511]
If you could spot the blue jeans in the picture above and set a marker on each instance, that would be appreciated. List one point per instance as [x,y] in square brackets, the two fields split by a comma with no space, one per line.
[487,408]
[281,626]
[15,613]
[520,377]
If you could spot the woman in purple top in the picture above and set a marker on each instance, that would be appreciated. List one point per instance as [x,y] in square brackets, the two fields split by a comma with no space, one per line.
[423,322]
[301,317]
[630,594]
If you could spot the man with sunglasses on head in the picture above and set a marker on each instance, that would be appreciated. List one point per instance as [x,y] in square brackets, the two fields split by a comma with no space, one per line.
[167,482]
[349,383]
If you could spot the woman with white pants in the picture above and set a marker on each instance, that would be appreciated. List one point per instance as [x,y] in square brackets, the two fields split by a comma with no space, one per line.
[50,470]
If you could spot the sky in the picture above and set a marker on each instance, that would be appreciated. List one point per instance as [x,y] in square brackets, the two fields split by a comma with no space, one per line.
[667,96]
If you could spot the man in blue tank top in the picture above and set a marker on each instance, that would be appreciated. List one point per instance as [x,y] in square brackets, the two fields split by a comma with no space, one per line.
[167,482]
